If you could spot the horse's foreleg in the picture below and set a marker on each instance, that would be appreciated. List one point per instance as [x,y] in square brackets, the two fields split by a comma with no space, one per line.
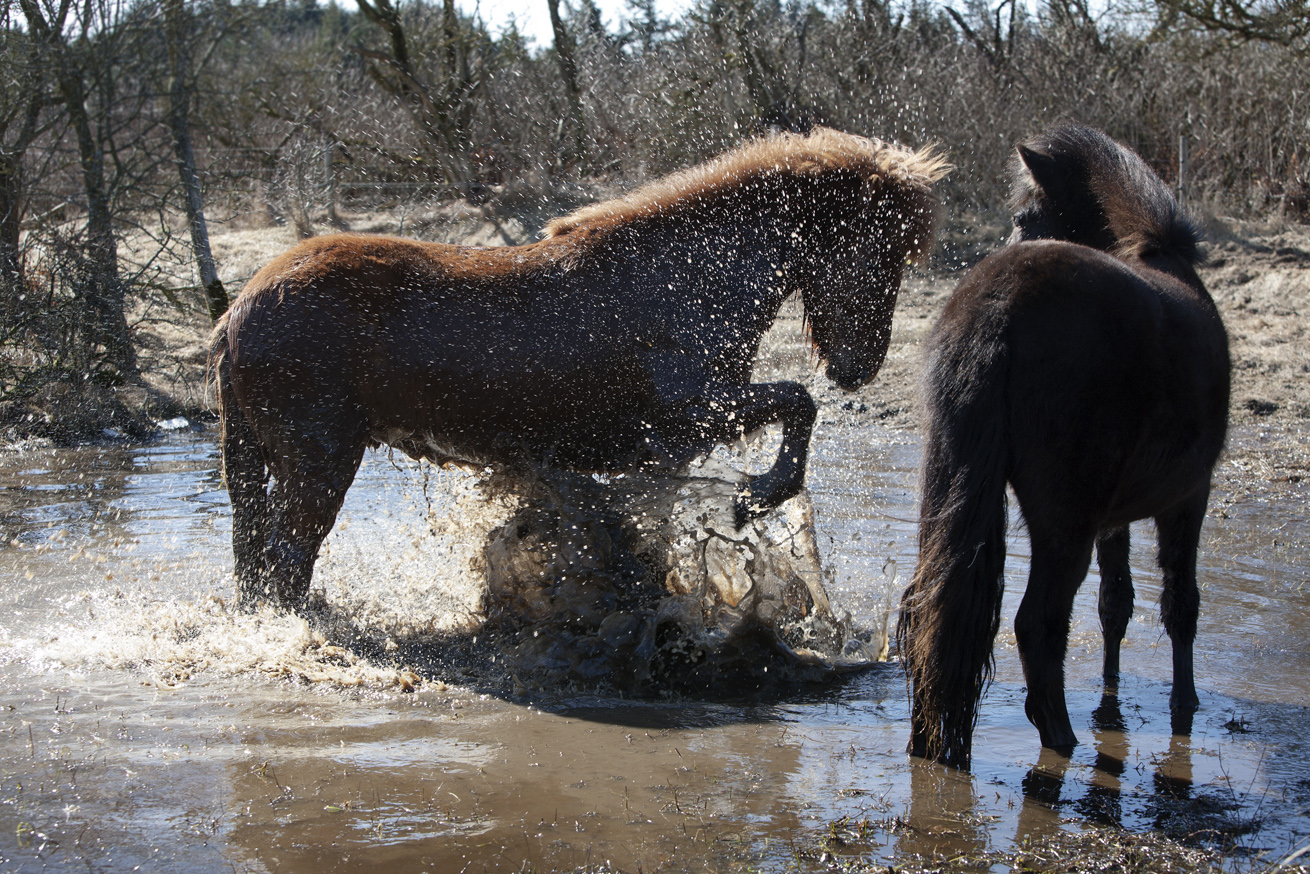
[757,406]
[1180,601]
[1041,627]
[1115,603]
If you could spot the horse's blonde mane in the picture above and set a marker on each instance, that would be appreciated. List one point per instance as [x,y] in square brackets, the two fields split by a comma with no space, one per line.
[822,151]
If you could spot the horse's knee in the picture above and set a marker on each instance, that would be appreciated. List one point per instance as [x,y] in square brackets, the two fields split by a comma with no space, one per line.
[1031,634]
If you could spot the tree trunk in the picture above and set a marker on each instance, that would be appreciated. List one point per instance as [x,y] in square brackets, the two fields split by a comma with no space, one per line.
[101,285]
[568,68]
[11,215]
[12,182]
[179,99]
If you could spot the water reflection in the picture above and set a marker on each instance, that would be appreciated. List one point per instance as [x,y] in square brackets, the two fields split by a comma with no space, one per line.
[944,819]
[469,789]
[1103,796]
[1103,802]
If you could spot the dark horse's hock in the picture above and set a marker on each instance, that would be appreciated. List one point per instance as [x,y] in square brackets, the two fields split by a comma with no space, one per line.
[624,337]
[1086,366]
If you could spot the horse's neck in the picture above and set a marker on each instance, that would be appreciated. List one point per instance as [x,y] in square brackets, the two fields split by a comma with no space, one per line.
[722,283]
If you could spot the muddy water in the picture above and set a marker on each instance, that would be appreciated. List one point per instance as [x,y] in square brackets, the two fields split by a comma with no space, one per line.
[145,724]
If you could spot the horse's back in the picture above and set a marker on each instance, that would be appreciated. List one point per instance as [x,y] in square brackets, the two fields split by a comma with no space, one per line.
[445,352]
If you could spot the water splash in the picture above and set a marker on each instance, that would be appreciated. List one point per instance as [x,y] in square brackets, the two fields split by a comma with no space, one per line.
[642,584]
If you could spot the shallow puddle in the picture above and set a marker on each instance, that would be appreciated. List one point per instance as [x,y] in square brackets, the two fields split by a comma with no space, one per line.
[146,724]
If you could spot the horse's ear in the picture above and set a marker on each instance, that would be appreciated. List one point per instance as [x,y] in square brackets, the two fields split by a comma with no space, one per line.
[1044,169]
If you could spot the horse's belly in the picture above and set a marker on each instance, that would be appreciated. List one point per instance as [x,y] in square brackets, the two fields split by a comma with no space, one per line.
[576,408]
[426,447]
[474,448]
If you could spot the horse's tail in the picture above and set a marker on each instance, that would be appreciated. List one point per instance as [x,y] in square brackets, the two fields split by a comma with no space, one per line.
[245,472]
[951,610]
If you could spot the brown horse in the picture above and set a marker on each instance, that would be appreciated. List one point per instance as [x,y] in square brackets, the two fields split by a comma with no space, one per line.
[1086,366]
[626,336]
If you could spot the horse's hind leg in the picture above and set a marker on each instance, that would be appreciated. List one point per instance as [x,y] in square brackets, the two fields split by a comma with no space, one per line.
[310,483]
[1059,564]
[246,478]
[1115,603]
[1180,535]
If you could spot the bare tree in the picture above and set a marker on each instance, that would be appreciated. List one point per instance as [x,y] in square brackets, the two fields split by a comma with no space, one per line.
[56,24]
[441,108]
[1285,22]
[23,95]
[566,53]
[179,117]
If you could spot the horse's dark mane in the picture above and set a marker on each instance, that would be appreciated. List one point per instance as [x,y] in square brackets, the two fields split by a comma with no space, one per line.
[1138,208]
[882,166]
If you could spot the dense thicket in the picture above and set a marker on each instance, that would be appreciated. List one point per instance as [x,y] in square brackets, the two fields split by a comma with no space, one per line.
[296,110]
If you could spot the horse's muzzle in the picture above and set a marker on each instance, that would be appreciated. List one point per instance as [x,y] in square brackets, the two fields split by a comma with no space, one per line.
[850,377]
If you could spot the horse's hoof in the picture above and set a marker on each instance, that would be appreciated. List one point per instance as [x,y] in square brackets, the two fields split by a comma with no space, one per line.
[248,601]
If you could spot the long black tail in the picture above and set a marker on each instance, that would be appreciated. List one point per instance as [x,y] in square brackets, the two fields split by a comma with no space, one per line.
[244,472]
[951,610]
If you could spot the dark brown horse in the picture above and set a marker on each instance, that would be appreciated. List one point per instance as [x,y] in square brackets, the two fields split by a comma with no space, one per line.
[1086,366]
[625,336]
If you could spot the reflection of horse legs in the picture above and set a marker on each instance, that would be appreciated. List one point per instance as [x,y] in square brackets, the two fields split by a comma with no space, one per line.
[1059,563]
[1104,800]
[1042,786]
[1180,535]
[1116,599]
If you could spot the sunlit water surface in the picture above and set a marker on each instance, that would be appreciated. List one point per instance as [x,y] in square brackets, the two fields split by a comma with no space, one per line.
[147,724]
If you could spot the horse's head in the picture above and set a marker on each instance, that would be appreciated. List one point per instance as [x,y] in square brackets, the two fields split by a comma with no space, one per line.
[854,276]
[849,314]
[1056,180]
[1074,183]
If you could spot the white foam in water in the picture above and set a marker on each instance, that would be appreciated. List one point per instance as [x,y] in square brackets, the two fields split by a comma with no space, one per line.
[169,642]
[413,562]
[400,567]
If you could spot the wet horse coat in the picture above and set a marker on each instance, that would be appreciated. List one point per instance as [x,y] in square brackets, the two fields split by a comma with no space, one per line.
[626,336]
[1085,366]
